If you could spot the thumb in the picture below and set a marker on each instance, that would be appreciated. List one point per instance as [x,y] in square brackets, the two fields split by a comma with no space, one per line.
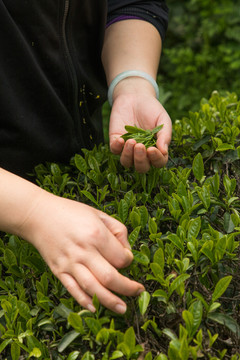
[116,228]
[164,135]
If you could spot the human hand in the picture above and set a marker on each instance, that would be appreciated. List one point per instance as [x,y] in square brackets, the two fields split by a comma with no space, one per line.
[136,105]
[83,247]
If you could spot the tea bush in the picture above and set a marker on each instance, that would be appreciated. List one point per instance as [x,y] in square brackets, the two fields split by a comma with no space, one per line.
[184,226]
[201,52]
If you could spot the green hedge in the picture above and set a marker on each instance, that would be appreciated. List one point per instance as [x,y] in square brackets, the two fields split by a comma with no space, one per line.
[184,226]
[201,53]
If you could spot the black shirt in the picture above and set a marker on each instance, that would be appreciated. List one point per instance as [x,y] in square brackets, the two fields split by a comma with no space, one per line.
[52,81]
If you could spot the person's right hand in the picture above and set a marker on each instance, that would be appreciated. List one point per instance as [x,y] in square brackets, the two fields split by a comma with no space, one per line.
[83,247]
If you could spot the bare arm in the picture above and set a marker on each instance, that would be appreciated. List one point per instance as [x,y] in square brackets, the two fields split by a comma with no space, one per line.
[82,246]
[135,45]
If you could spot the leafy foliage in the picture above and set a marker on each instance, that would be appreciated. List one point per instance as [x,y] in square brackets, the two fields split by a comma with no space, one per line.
[184,226]
[201,53]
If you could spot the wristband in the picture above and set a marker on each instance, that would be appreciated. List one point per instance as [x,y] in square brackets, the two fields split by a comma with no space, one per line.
[130,73]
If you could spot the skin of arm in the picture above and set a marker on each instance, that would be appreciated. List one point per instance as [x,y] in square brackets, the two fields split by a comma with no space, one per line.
[82,246]
[135,45]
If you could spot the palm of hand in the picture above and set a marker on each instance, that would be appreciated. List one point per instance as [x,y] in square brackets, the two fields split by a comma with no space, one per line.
[145,112]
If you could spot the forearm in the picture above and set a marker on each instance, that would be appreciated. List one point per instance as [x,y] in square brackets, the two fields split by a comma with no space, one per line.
[131,45]
[18,197]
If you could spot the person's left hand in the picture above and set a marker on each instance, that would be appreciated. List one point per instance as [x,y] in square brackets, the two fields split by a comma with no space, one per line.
[139,108]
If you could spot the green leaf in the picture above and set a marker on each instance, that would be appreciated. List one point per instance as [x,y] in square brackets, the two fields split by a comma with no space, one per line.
[15,351]
[148,356]
[152,226]
[157,270]
[62,311]
[198,167]
[143,301]
[89,196]
[225,147]
[159,257]
[214,306]
[132,238]
[129,338]
[76,322]
[67,340]
[9,258]
[188,318]
[194,228]
[23,309]
[144,215]
[36,353]
[116,354]
[161,294]
[227,321]
[93,164]
[207,250]
[201,298]
[177,282]
[176,241]
[96,302]
[103,336]
[73,355]
[134,129]
[228,223]
[56,172]
[123,210]
[93,324]
[221,287]
[196,309]
[4,344]
[80,163]
[3,285]
[140,257]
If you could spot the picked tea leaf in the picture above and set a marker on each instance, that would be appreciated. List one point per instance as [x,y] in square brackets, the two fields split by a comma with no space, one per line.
[145,137]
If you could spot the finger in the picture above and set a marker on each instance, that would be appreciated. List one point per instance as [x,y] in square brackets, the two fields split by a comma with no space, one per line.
[110,278]
[116,228]
[102,240]
[126,158]
[116,144]
[156,158]
[113,251]
[90,285]
[141,162]
[164,135]
[76,291]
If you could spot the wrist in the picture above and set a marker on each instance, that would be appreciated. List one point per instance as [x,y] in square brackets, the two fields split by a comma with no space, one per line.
[132,82]
[133,86]
[18,198]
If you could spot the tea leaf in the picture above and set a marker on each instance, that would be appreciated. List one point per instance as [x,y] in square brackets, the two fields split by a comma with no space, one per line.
[221,287]
[143,301]
[198,168]
[67,340]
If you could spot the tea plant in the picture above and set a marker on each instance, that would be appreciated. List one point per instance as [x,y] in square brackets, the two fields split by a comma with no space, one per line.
[184,226]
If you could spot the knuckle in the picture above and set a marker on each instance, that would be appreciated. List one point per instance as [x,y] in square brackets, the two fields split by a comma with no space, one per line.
[70,287]
[108,278]
[122,262]
[86,284]
[94,233]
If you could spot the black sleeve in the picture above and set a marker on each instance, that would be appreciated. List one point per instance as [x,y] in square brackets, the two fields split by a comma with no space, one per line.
[155,12]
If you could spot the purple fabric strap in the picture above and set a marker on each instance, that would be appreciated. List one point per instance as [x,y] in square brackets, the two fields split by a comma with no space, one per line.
[120,18]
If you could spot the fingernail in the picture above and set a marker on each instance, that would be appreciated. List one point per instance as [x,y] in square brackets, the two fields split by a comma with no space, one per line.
[129,253]
[139,151]
[166,147]
[91,308]
[140,291]
[120,308]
